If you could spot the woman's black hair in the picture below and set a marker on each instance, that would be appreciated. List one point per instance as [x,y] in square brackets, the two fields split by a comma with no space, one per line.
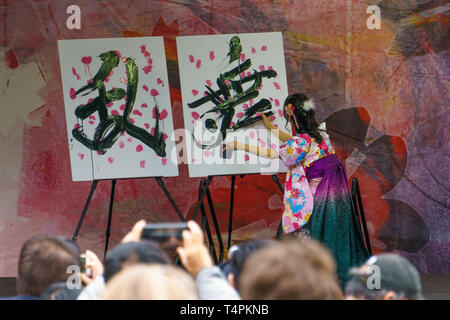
[304,121]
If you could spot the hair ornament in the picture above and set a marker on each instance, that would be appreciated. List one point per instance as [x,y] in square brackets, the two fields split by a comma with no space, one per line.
[308,105]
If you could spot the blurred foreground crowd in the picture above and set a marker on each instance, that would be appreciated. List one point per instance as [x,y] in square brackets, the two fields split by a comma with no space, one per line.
[291,268]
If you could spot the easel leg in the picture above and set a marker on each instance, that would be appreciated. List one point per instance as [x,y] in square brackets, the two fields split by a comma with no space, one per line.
[80,222]
[216,225]
[205,227]
[280,226]
[202,193]
[359,214]
[203,188]
[108,226]
[162,185]
[230,216]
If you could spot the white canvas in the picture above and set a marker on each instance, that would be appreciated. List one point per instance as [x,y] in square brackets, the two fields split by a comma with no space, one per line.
[128,156]
[201,59]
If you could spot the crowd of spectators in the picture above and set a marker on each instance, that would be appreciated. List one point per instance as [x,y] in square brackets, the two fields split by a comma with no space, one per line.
[138,269]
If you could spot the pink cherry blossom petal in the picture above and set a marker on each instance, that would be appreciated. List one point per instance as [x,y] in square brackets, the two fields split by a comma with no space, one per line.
[86,60]
[72,92]
[139,148]
[110,159]
[262,143]
[142,164]
[163,114]
[195,115]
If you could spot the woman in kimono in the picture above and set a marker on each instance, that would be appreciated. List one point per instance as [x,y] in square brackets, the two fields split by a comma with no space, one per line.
[317,201]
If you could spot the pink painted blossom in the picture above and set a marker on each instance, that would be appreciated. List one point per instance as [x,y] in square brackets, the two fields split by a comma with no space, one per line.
[195,115]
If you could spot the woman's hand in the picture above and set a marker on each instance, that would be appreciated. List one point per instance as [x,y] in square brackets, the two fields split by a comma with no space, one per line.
[267,122]
[232,145]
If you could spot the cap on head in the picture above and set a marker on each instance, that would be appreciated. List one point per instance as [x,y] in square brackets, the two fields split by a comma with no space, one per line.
[397,274]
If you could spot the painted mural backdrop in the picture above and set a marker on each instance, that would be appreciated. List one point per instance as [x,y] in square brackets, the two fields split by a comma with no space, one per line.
[383,92]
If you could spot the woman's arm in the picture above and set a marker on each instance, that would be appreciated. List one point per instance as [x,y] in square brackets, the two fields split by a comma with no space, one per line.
[283,136]
[258,150]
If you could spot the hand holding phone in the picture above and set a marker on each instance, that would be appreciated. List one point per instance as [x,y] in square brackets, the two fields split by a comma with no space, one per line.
[168,235]
[194,253]
[91,267]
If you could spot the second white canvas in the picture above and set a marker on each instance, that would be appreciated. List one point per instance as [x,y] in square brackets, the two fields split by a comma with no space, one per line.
[227,81]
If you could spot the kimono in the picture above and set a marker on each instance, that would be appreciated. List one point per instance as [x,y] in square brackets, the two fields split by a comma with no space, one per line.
[317,199]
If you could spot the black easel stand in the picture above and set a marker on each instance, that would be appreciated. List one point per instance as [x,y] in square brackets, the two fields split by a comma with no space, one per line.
[359,211]
[204,190]
[111,203]
[280,226]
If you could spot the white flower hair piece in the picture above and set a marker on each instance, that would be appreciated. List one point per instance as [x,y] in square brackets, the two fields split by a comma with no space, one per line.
[323,126]
[308,105]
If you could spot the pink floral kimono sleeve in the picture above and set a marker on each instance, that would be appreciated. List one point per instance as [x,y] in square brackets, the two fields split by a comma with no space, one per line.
[298,201]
